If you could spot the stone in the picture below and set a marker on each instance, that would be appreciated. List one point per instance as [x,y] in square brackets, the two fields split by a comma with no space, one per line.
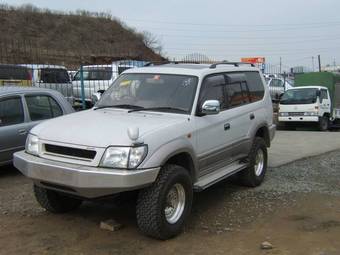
[266,245]
[110,225]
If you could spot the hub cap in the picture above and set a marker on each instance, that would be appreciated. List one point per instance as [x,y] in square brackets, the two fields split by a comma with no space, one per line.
[175,203]
[259,162]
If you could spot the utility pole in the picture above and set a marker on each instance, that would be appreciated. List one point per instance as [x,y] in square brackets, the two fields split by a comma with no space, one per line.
[319,59]
[313,63]
[334,65]
[280,65]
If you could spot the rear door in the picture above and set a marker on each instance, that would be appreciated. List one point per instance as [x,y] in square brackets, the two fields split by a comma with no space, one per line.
[41,107]
[13,128]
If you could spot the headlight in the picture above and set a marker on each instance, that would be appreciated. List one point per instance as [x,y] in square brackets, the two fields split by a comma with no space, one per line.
[32,144]
[284,114]
[123,157]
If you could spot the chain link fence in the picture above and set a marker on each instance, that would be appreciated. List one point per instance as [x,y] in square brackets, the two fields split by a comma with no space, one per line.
[80,78]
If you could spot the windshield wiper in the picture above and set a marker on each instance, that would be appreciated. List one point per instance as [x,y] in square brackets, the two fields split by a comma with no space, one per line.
[164,108]
[124,106]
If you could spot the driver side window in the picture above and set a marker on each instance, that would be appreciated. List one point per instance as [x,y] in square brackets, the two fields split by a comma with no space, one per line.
[213,88]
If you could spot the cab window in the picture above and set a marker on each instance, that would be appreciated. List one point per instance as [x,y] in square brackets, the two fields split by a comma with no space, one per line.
[11,111]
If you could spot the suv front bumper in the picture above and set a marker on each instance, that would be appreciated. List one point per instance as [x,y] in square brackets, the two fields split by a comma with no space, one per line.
[82,181]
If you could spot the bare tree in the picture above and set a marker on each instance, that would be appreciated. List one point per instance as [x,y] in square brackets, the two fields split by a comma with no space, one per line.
[151,41]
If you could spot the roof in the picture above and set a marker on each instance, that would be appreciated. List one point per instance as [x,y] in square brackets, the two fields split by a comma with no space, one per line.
[4,90]
[309,87]
[191,69]
[37,66]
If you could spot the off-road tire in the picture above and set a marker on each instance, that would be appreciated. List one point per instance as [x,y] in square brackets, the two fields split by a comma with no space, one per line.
[323,123]
[55,202]
[248,176]
[151,203]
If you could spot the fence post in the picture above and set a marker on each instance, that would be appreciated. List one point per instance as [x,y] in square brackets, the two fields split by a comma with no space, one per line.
[82,87]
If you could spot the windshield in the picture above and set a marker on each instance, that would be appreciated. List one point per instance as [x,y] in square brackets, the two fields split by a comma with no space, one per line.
[164,91]
[299,96]
[52,75]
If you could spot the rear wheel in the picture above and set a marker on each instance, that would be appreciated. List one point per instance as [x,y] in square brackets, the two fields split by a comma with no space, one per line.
[163,207]
[254,175]
[54,201]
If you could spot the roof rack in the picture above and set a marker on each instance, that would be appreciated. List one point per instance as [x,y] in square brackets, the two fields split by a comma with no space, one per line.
[213,66]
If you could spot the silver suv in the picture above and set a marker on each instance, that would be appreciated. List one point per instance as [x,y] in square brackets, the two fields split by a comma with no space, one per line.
[164,131]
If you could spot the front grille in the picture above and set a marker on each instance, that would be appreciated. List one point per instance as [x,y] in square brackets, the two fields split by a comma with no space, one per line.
[71,152]
[295,113]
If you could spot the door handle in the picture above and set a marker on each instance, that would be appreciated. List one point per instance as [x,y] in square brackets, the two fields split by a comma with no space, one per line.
[252,116]
[22,132]
[226,126]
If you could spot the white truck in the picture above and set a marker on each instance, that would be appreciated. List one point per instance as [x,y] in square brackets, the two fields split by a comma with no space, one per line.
[312,104]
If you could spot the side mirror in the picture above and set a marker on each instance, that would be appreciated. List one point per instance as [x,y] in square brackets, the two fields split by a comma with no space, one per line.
[211,107]
[96,96]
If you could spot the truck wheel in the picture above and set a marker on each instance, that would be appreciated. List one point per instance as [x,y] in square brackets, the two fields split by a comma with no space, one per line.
[323,123]
[163,207]
[254,174]
[55,202]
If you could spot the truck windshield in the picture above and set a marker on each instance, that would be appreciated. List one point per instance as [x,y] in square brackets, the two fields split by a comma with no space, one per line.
[156,92]
[299,96]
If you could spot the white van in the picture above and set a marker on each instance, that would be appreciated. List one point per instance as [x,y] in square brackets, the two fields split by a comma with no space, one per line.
[99,78]
[52,77]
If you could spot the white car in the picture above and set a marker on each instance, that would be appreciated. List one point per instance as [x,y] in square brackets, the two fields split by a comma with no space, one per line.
[162,131]
[278,86]
[99,78]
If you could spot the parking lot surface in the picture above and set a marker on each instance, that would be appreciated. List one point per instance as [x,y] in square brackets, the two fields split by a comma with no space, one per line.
[289,146]
[297,209]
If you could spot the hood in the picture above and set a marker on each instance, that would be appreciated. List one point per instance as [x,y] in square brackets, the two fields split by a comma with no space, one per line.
[297,107]
[104,127]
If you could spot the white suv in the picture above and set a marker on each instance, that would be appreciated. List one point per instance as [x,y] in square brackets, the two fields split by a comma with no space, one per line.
[164,131]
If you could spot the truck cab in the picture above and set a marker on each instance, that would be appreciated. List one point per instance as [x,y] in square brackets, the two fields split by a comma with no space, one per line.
[310,104]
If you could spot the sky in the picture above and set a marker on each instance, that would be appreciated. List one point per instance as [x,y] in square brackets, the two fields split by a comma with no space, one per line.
[294,30]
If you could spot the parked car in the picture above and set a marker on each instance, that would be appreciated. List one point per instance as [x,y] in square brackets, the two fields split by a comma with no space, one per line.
[99,78]
[14,75]
[312,104]
[53,77]
[163,131]
[278,86]
[20,110]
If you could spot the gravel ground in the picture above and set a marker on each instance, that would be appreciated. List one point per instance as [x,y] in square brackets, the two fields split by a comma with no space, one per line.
[297,208]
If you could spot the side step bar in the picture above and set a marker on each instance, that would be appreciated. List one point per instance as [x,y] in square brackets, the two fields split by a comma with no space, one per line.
[210,179]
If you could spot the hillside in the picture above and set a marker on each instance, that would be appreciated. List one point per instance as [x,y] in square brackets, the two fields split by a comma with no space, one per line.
[30,35]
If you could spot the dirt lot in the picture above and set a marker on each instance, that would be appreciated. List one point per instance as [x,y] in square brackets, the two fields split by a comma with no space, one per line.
[297,210]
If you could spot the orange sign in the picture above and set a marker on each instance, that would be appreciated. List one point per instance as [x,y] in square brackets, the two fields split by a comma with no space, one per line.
[256,60]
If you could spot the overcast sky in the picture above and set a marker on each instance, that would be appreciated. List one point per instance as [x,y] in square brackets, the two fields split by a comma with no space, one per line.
[295,30]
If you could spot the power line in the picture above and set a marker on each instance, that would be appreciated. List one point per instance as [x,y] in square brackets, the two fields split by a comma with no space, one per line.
[241,31]
[261,44]
[234,25]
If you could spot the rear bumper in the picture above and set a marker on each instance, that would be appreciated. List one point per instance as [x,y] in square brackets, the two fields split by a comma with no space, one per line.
[82,181]
[299,119]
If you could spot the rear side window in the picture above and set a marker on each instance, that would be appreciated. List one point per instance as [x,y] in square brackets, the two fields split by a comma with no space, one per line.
[95,74]
[14,73]
[11,111]
[213,88]
[54,75]
[255,85]
[237,90]
[42,107]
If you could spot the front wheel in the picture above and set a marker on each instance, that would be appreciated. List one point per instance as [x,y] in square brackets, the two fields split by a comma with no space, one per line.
[163,207]
[254,175]
[323,123]
[54,201]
